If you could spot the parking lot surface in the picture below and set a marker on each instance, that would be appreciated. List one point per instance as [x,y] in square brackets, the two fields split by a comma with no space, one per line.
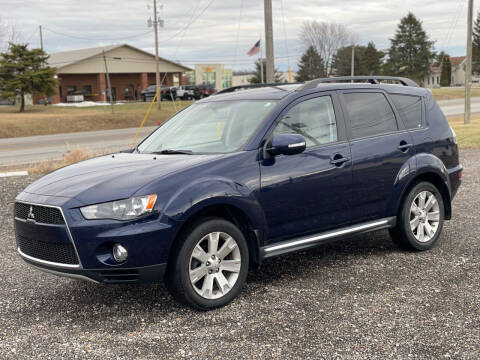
[360,298]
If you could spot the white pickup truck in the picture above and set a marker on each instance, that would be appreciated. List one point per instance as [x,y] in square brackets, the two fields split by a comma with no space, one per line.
[187,92]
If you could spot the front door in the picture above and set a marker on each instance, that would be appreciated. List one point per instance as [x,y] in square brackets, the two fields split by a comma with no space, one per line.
[308,192]
[380,146]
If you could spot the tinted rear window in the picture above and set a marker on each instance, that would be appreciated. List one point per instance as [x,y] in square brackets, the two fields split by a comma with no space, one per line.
[370,114]
[410,108]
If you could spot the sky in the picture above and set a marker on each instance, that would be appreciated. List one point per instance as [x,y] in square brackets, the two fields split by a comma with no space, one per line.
[222,31]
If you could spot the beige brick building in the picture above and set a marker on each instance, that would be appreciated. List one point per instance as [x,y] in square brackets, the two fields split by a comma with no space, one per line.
[131,70]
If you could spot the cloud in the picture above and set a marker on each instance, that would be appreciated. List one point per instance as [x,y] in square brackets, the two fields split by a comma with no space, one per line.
[199,31]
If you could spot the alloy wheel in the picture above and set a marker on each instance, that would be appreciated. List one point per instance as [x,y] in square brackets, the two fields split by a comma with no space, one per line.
[215,265]
[424,216]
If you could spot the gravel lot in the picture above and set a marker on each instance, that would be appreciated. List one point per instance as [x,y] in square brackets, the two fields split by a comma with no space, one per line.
[360,298]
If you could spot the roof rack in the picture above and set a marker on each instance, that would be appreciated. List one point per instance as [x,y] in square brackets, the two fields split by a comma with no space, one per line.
[250,86]
[371,79]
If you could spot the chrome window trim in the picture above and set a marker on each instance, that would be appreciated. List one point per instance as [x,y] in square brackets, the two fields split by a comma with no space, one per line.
[79,266]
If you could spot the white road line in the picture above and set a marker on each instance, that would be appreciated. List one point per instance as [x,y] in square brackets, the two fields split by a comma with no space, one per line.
[13,173]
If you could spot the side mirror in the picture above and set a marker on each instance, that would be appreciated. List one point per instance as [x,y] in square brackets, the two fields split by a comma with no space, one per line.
[286,144]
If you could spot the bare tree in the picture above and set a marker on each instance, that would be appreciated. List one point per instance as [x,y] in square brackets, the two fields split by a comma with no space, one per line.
[326,38]
[8,34]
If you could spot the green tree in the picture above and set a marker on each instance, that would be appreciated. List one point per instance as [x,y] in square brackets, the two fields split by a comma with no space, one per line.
[372,60]
[311,66]
[446,74]
[24,71]
[342,61]
[411,51]
[257,77]
[476,45]
[368,60]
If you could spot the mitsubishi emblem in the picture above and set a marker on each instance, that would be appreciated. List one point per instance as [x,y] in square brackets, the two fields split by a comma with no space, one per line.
[31,215]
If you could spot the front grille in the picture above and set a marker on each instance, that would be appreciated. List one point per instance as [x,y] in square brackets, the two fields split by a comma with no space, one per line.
[41,214]
[63,253]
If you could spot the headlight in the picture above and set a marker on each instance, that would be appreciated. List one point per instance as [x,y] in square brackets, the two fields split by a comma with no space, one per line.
[120,210]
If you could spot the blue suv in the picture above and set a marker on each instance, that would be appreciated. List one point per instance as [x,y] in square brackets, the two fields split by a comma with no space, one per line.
[244,176]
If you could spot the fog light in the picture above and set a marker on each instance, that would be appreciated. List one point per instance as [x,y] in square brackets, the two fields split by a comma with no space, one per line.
[120,254]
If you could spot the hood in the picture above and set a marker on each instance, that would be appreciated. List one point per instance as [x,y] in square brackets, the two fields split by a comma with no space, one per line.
[112,177]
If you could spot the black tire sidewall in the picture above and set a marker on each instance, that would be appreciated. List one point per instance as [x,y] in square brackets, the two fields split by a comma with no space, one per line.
[183,263]
[405,217]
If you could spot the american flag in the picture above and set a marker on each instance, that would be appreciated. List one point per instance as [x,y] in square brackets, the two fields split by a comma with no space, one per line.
[255,49]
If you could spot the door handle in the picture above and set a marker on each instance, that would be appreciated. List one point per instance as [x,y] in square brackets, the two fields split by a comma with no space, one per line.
[339,160]
[404,146]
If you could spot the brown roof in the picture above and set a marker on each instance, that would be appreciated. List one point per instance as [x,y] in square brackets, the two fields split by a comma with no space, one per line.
[457,60]
[66,58]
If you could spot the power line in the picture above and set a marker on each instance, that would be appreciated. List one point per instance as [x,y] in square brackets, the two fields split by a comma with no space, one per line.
[97,39]
[190,23]
[238,29]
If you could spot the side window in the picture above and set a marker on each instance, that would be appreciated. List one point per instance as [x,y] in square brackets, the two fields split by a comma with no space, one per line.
[370,114]
[314,119]
[410,108]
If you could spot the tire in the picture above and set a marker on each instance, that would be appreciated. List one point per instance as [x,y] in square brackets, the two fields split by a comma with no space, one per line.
[195,272]
[420,221]
[185,96]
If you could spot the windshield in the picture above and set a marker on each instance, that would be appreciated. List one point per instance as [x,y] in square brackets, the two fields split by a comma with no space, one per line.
[212,127]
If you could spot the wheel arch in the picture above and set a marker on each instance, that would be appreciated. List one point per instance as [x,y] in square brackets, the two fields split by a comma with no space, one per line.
[229,212]
[435,178]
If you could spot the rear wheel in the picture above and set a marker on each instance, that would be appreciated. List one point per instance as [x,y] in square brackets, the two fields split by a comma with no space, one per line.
[421,218]
[210,265]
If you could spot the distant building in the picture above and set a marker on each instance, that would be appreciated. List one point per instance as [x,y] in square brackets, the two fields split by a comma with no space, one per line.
[432,80]
[458,70]
[215,75]
[243,78]
[131,70]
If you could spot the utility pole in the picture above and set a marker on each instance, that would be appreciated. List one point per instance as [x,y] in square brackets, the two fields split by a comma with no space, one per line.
[157,65]
[41,37]
[468,70]
[269,41]
[108,81]
[353,60]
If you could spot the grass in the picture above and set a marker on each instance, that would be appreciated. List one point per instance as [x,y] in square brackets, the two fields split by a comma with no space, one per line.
[44,120]
[468,135]
[453,93]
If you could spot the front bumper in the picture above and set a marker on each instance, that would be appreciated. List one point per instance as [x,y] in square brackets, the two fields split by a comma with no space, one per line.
[147,274]
[82,249]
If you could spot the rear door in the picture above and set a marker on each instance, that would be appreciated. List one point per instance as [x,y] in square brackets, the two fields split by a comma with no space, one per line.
[308,192]
[380,146]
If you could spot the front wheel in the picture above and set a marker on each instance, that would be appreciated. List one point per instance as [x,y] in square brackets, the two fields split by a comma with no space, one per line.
[421,218]
[209,266]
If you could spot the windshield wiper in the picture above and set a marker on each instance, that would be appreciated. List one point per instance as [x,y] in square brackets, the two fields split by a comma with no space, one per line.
[172,151]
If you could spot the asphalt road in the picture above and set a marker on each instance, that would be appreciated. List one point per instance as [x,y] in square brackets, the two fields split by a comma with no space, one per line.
[457,106]
[25,150]
[360,298]
[17,151]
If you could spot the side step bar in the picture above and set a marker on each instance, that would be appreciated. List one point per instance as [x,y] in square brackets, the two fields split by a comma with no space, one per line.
[305,242]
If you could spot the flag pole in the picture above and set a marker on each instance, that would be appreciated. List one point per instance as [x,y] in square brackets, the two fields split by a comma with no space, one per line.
[261,61]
